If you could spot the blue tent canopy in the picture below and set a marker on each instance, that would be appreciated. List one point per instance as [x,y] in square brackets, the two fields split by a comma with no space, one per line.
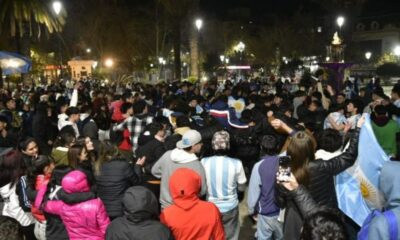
[12,63]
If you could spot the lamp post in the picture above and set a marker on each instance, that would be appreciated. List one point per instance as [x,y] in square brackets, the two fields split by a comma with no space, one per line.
[340,21]
[88,50]
[396,51]
[57,7]
[199,24]
[368,55]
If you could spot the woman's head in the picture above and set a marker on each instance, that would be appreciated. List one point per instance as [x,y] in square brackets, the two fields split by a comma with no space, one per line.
[77,154]
[29,147]
[66,137]
[12,167]
[42,165]
[108,151]
[87,142]
[301,149]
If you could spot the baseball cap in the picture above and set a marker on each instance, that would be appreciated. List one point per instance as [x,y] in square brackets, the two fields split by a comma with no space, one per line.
[189,139]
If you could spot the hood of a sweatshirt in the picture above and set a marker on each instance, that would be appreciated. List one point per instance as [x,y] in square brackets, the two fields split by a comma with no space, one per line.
[75,182]
[140,204]
[181,156]
[390,184]
[7,190]
[184,186]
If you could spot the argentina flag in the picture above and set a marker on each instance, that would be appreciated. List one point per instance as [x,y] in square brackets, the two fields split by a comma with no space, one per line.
[357,187]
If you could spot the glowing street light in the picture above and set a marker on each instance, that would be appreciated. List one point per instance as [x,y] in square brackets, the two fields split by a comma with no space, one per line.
[227,60]
[340,21]
[88,50]
[241,46]
[198,23]
[396,51]
[222,58]
[109,62]
[368,55]
[57,6]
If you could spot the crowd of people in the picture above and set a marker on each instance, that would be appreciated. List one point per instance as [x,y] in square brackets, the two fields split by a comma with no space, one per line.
[174,160]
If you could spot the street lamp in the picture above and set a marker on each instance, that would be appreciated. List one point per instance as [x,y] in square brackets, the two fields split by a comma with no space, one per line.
[396,51]
[368,55]
[340,21]
[109,62]
[227,60]
[57,6]
[222,58]
[88,50]
[198,23]
[240,47]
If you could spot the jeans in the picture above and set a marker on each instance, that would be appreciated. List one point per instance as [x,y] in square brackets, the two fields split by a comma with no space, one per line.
[230,220]
[269,228]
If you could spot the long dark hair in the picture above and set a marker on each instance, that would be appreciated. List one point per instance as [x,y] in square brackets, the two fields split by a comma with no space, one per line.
[73,154]
[37,168]
[302,150]
[12,167]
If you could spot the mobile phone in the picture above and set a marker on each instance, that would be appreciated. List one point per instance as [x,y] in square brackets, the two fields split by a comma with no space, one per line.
[284,169]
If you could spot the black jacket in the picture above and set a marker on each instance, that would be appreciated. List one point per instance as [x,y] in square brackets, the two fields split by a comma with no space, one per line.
[152,150]
[321,186]
[140,220]
[115,177]
[298,204]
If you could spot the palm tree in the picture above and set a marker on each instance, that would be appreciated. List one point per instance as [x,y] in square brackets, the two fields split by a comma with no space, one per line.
[178,11]
[25,19]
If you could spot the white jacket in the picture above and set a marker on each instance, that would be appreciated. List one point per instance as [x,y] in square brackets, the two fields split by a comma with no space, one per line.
[12,208]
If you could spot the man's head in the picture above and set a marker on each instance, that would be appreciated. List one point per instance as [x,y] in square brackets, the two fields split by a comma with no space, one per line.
[269,145]
[220,142]
[395,93]
[314,106]
[340,98]
[324,224]
[329,140]
[355,106]
[380,110]
[127,97]
[10,104]
[140,107]
[127,108]
[191,142]
[73,114]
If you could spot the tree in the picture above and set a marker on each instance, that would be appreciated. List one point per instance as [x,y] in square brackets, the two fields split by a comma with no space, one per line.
[178,11]
[24,19]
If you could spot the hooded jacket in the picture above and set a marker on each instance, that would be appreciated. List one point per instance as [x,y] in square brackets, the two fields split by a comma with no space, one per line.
[390,186]
[166,166]
[85,220]
[189,217]
[11,207]
[115,177]
[140,220]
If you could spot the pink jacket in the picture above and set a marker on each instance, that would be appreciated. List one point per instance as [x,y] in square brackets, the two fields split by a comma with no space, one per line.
[85,220]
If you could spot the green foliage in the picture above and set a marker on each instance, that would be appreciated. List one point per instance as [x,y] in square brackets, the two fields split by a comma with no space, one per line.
[30,17]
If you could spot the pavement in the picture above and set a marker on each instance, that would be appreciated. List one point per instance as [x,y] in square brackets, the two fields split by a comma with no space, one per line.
[247,228]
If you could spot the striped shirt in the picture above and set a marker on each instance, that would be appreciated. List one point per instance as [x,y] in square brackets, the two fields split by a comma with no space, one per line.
[223,176]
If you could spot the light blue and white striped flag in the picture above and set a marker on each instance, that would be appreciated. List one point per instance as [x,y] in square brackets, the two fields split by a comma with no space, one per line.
[357,187]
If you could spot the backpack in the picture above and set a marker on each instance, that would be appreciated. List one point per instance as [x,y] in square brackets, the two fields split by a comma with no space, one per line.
[390,218]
